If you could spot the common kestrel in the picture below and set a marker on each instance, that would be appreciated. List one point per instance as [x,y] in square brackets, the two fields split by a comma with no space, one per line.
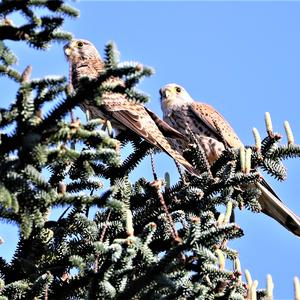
[85,61]
[211,131]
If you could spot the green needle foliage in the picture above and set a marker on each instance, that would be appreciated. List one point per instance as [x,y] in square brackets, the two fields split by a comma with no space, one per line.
[146,240]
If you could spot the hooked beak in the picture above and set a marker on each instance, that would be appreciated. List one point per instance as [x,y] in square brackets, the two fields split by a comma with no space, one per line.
[165,93]
[166,97]
[67,50]
[168,93]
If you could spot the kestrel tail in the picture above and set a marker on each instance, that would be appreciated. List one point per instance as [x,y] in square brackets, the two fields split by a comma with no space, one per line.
[212,131]
[85,61]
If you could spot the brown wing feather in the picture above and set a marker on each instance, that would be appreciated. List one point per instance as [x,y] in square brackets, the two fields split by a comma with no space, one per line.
[136,118]
[209,116]
[165,128]
[133,122]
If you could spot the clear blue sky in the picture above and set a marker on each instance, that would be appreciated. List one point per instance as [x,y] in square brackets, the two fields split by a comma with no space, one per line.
[241,57]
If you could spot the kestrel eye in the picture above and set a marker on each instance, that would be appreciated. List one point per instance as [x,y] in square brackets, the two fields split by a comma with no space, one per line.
[80,44]
[178,89]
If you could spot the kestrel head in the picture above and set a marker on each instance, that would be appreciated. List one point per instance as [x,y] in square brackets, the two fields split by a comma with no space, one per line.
[173,96]
[80,50]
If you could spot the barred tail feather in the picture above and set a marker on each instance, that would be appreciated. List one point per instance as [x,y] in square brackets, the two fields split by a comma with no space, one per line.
[276,209]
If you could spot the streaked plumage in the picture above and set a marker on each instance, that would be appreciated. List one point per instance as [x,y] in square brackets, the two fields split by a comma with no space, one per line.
[212,131]
[85,61]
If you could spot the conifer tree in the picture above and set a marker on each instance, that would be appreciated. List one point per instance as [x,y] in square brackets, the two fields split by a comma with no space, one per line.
[146,239]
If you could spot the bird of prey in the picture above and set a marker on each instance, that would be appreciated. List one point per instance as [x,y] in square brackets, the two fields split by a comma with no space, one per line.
[85,61]
[212,131]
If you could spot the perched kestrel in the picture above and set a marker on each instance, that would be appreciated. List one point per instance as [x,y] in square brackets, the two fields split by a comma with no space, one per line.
[123,114]
[211,131]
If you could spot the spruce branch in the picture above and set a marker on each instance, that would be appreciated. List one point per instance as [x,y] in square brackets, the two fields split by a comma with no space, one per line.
[137,284]
[39,31]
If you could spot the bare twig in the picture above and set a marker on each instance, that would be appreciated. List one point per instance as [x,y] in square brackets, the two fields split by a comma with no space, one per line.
[157,185]
[153,166]
[96,265]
